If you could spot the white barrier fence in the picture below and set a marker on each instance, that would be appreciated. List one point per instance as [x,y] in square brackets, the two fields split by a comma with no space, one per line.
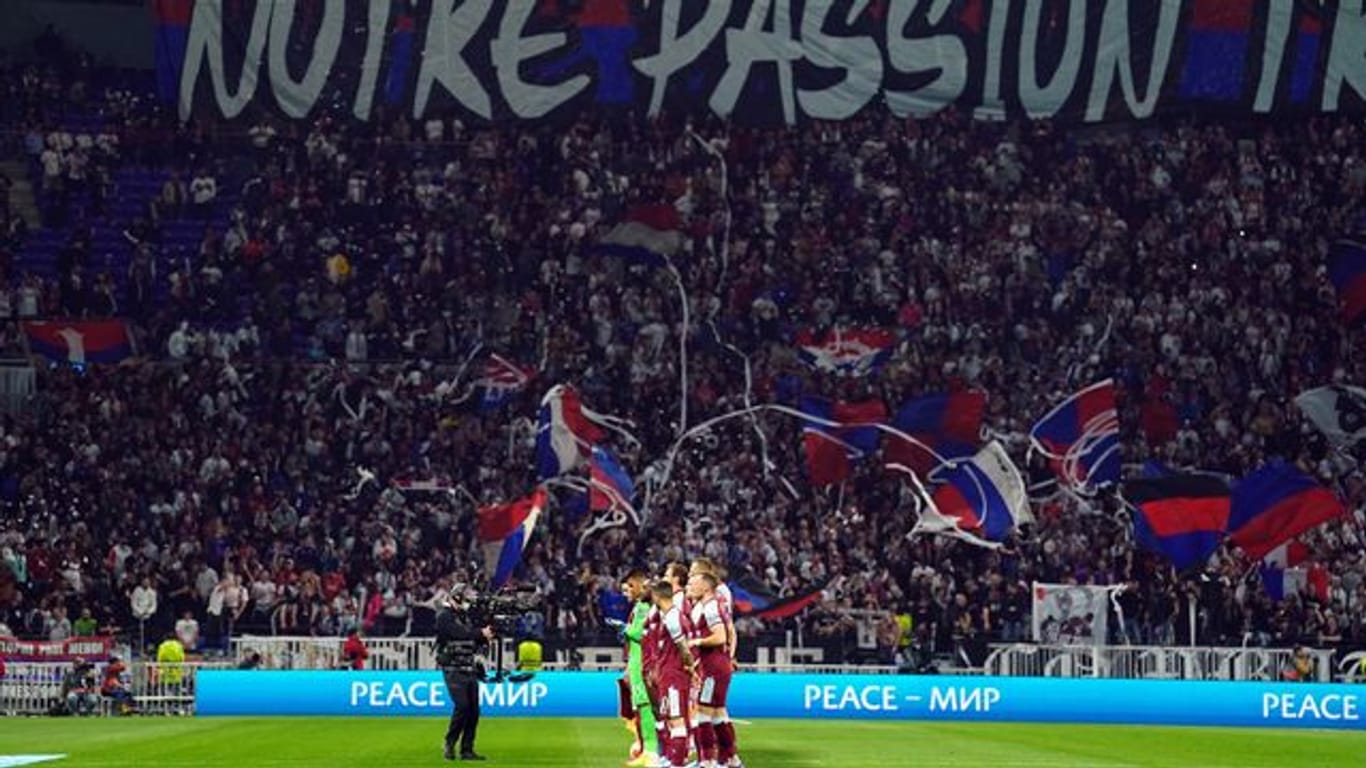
[396,653]
[1157,662]
[33,688]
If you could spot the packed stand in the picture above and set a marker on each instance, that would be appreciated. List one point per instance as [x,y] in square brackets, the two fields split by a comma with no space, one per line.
[322,314]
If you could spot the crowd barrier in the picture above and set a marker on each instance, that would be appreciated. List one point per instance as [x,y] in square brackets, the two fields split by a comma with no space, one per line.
[35,688]
[875,697]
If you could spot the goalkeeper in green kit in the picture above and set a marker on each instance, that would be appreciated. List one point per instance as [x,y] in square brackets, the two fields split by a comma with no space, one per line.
[636,707]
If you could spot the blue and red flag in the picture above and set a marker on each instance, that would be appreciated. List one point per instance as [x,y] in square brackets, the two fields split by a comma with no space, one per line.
[401,42]
[1347,270]
[505,531]
[650,233]
[79,342]
[980,500]
[949,424]
[171,24]
[846,351]
[1183,517]
[609,485]
[1275,504]
[1081,437]
[1304,67]
[1217,44]
[501,381]
[755,600]
[837,434]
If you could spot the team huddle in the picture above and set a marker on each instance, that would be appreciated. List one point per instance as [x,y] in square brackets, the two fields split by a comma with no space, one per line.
[681,646]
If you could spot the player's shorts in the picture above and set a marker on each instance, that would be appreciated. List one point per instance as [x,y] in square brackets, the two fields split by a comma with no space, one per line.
[715,685]
[672,699]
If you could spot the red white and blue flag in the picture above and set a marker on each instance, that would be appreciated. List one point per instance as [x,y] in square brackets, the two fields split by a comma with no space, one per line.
[1281,573]
[831,450]
[1081,437]
[650,233]
[980,500]
[79,342]
[847,352]
[501,381]
[505,531]
[565,436]
[1276,504]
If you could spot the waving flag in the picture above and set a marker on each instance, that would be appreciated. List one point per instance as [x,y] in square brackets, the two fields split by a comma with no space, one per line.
[847,352]
[565,435]
[1280,571]
[1347,270]
[501,381]
[950,424]
[981,500]
[1081,437]
[1339,412]
[755,600]
[830,450]
[505,531]
[1182,517]
[1276,504]
[650,233]
[79,342]
[610,487]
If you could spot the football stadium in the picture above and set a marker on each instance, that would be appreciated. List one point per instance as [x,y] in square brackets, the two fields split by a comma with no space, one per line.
[681,384]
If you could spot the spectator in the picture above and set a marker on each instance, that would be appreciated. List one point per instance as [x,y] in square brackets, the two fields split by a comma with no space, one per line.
[354,652]
[187,631]
[85,625]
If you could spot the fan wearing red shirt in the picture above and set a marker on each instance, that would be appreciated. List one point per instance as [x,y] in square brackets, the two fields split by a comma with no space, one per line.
[673,672]
[354,651]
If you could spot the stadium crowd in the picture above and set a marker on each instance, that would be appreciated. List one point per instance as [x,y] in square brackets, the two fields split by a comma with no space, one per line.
[328,321]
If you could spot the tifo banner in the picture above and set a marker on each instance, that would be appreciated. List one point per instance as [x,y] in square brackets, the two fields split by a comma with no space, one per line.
[1066,614]
[88,648]
[762,61]
[873,697]
[79,341]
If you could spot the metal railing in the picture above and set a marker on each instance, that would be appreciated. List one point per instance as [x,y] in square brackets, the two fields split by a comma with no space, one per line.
[35,688]
[1152,662]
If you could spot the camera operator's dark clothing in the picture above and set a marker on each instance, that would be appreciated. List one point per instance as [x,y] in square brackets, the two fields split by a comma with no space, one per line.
[457,646]
[464,723]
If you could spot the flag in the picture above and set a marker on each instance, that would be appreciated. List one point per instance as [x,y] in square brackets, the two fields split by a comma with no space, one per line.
[650,233]
[830,449]
[1347,271]
[755,600]
[1180,516]
[846,352]
[1276,504]
[950,424]
[1217,43]
[505,531]
[1338,411]
[501,381]
[1081,436]
[1305,67]
[565,434]
[1280,573]
[610,486]
[171,23]
[79,342]
[980,500]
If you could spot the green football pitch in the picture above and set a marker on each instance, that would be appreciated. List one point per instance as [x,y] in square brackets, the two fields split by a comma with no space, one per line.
[329,743]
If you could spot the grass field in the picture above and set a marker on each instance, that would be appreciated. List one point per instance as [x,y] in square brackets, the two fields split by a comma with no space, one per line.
[331,743]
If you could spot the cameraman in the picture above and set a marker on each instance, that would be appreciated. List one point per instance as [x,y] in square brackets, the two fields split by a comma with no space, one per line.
[457,650]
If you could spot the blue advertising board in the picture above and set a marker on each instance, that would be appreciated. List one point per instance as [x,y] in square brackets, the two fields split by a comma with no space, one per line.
[872,697]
